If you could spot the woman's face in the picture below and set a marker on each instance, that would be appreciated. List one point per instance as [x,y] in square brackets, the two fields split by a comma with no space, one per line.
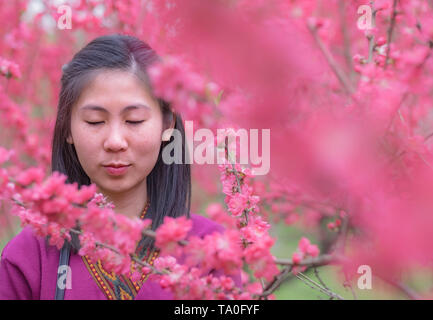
[127,129]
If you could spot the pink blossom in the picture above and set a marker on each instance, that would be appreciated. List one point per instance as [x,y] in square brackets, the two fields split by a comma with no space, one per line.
[296,257]
[85,194]
[31,175]
[216,212]
[9,68]
[261,261]
[5,155]
[304,244]
[305,249]
[172,231]
[237,204]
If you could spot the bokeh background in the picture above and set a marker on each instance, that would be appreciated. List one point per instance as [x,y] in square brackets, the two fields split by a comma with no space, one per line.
[34,48]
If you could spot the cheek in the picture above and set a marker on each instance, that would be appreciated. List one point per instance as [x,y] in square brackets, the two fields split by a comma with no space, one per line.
[147,146]
[149,143]
[86,156]
[84,147]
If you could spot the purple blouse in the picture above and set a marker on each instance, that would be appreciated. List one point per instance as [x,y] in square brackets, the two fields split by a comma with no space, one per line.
[28,270]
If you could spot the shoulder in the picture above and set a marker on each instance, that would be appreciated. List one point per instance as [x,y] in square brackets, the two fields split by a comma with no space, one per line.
[24,246]
[202,225]
[21,266]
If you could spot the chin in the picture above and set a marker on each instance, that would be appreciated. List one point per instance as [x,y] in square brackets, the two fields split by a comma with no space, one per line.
[114,186]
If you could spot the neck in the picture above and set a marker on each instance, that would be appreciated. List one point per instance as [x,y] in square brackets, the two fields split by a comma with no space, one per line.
[129,203]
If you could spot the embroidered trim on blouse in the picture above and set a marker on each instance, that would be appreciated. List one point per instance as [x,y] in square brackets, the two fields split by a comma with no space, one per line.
[120,287]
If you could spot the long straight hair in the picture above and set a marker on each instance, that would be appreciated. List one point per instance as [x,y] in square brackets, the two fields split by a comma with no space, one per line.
[168,185]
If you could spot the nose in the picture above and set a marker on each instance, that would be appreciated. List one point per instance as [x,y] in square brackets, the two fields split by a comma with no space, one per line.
[116,140]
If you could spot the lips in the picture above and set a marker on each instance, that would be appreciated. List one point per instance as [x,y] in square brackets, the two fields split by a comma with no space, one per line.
[116,169]
[116,165]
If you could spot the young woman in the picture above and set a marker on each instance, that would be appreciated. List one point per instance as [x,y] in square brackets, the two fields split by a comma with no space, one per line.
[110,130]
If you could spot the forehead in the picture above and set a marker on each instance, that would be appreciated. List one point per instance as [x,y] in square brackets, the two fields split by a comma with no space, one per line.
[115,91]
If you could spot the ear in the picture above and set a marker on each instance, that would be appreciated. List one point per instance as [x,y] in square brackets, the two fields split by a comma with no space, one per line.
[166,135]
[69,140]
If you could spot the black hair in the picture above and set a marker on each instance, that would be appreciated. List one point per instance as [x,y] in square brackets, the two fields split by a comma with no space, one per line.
[168,185]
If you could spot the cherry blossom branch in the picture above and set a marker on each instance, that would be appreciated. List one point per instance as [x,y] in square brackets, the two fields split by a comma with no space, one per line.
[113,249]
[344,80]
[133,257]
[312,262]
[107,246]
[235,172]
[346,39]
[276,283]
[152,234]
[390,31]
[288,266]
[370,36]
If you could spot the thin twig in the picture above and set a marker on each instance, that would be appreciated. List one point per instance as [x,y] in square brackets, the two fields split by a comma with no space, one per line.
[286,271]
[428,136]
[235,172]
[344,80]
[402,287]
[316,273]
[347,284]
[310,285]
[346,38]
[370,37]
[135,259]
[390,30]
[424,160]
[300,275]
[370,48]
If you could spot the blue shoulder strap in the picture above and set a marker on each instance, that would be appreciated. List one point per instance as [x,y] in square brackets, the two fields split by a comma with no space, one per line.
[63,261]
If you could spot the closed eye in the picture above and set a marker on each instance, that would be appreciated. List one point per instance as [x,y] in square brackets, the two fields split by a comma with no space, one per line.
[94,123]
[135,122]
[99,122]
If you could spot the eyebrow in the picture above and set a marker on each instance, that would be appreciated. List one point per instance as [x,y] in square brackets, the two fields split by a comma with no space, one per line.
[102,109]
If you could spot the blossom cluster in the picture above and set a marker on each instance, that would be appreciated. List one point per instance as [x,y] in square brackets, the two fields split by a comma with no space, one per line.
[9,68]
[171,232]
[305,249]
[187,91]
[56,209]
[189,283]
[253,229]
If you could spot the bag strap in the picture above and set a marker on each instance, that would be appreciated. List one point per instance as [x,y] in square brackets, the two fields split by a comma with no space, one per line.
[63,261]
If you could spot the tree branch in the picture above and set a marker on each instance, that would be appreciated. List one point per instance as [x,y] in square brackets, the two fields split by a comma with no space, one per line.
[133,257]
[344,80]
[312,262]
[276,282]
[404,288]
[390,30]
[346,38]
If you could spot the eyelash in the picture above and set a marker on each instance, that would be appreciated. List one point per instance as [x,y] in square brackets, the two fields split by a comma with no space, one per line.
[131,122]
